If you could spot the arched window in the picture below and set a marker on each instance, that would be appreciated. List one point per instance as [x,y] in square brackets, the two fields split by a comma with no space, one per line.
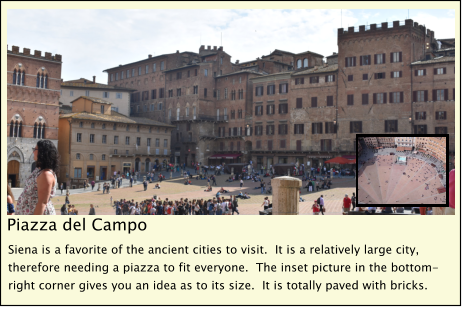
[12,125]
[194,111]
[43,131]
[34,130]
[23,79]
[178,113]
[186,112]
[46,82]
[299,64]
[19,129]
[305,63]
[19,78]
[38,80]
[14,76]
[42,79]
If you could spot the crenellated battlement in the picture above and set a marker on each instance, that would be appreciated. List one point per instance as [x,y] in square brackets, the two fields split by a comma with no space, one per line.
[37,53]
[382,27]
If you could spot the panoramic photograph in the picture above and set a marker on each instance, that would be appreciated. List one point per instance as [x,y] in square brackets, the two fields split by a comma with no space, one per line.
[220,114]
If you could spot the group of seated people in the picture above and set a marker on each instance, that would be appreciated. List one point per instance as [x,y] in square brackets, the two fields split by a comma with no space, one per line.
[157,186]
[208,189]
[243,196]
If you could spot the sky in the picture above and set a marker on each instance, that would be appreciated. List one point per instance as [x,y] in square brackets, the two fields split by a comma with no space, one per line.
[91,41]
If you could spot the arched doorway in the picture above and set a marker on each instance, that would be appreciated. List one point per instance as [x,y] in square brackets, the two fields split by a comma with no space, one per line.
[137,165]
[147,165]
[13,173]
[247,151]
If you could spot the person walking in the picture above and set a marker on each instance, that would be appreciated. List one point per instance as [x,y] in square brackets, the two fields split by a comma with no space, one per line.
[145,185]
[61,188]
[118,209]
[321,204]
[262,187]
[265,203]
[84,185]
[40,185]
[234,206]
[92,185]
[346,204]
[92,211]
[241,183]
[214,181]
[353,201]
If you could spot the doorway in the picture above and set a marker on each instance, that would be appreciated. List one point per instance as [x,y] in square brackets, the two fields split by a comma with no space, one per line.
[13,173]
[91,172]
[102,173]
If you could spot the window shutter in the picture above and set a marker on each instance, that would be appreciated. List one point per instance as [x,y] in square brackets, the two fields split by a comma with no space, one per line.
[251,131]
[354,61]
[391,59]
[267,90]
[444,70]
[437,116]
[396,121]
[390,97]
[313,126]
[424,115]
[416,73]
[346,62]
[317,79]
[302,80]
[361,60]
[229,132]
[383,57]
[446,94]
[375,59]
[327,79]
[256,91]
[414,96]
[383,75]
[286,86]
[386,125]
[400,73]
[424,72]
[298,103]
[391,74]
[401,97]
[267,129]
[435,70]
[385,97]
[400,58]
[351,127]
[434,95]
[375,98]
[314,102]
[426,95]
[298,145]
[279,87]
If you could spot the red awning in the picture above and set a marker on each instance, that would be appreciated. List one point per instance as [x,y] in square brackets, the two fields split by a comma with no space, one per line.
[225,156]
[408,149]
[441,190]
[349,157]
[400,149]
[338,160]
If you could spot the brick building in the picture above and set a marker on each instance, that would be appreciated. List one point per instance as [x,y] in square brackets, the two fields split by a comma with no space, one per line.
[433,146]
[286,107]
[33,91]
[96,141]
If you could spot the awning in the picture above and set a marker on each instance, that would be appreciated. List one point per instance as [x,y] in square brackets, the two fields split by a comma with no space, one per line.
[400,149]
[441,190]
[349,157]
[408,149]
[421,150]
[225,156]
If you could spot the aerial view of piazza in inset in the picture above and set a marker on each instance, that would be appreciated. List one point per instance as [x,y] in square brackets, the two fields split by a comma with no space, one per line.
[402,170]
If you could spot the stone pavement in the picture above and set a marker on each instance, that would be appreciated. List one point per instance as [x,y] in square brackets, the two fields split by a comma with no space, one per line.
[175,189]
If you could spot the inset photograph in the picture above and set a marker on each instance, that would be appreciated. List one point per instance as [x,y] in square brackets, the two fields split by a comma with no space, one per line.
[402,170]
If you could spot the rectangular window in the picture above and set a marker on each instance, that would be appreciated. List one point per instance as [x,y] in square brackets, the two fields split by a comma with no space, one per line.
[240,114]
[196,72]
[140,70]
[205,72]
[270,145]
[112,77]
[440,95]
[87,93]
[350,99]
[91,138]
[283,108]
[314,79]
[380,75]
[259,91]
[282,143]
[331,127]
[102,109]
[80,124]
[154,67]
[157,143]
[420,115]
[133,72]
[127,73]
[270,109]
[356,127]
[116,140]
[162,65]
[283,129]
[299,81]
[439,71]
[226,93]
[205,92]
[283,88]
[420,73]
[420,96]
[365,76]
[148,142]
[270,129]
[317,128]
[71,93]
[218,94]
[179,92]
[138,141]
[258,130]
[350,62]
[118,95]
[420,129]
[326,145]
[105,95]
[258,144]
[365,60]
[117,76]
[258,110]
[313,102]
[298,103]
[441,130]
[391,125]
[104,139]
[115,151]
[396,74]
[78,137]
[299,129]
[127,140]
[365,98]
[396,97]
[379,58]
[330,101]
[440,115]
[122,75]
[331,78]
[270,89]
[165,143]
[350,77]
[396,57]
[77,172]
[380,98]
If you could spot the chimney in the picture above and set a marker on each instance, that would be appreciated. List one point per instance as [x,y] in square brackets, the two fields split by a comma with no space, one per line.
[202,47]
[150,56]
[334,52]
[94,79]
[48,55]
[220,48]
[178,51]
[37,53]
[15,49]
[214,48]
[26,51]
[209,48]
[237,61]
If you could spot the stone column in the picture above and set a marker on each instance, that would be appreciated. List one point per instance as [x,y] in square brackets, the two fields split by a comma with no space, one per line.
[170,174]
[286,195]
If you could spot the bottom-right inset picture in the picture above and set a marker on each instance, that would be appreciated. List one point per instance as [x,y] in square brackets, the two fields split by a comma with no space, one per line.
[400,171]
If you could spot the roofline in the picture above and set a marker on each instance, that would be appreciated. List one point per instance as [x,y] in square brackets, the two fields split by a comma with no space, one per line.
[182,67]
[140,61]
[112,88]
[90,99]
[307,52]
[70,115]
[33,57]
[416,63]
[237,72]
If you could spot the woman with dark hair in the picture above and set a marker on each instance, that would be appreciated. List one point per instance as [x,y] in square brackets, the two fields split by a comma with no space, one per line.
[10,201]
[40,185]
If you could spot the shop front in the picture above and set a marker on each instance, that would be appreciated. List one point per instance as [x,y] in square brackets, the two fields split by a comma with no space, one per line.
[219,159]
[126,167]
